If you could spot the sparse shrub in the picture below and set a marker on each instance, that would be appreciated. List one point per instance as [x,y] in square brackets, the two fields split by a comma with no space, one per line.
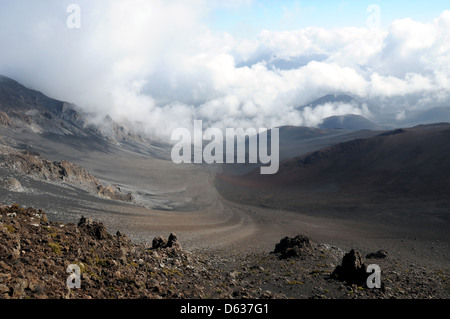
[56,248]
[17,209]
[10,228]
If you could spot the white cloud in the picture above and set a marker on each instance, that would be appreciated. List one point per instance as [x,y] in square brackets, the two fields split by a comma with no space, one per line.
[156,63]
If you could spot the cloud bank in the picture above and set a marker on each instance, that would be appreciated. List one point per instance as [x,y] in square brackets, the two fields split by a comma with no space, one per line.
[158,63]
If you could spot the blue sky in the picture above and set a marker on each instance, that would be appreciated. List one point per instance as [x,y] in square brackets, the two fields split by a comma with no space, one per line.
[248,19]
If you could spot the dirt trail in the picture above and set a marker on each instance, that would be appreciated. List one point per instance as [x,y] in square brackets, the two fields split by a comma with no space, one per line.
[224,225]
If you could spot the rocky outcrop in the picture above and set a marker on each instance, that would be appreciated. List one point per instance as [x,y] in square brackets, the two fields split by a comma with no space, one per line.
[12,184]
[36,166]
[293,247]
[33,164]
[4,119]
[352,270]
[93,228]
[171,242]
[113,192]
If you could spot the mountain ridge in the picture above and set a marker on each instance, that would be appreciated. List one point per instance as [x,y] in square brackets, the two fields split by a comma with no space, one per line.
[24,109]
[351,122]
[382,163]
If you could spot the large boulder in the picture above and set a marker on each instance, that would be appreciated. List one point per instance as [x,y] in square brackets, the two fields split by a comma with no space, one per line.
[293,247]
[352,270]
[93,228]
[171,242]
[378,255]
[159,242]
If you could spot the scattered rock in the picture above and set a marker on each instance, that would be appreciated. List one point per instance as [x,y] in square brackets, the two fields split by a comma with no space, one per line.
[19,288]
[3,289]
[233,274]
[378,255]
[34,262]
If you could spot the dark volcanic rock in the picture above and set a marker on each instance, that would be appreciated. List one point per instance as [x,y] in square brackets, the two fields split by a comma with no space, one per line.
[378,255]
[159,242]
[171,242]
[292,247]
[352,270]
[93,228]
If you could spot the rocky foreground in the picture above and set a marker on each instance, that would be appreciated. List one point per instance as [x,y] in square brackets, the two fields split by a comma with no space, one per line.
[35,255]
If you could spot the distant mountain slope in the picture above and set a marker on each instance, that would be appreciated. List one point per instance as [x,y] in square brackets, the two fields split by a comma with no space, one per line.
[15,97]
[30,111]
[412,162]
[348,122]
[25,109]
[298,140]
[433,115]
